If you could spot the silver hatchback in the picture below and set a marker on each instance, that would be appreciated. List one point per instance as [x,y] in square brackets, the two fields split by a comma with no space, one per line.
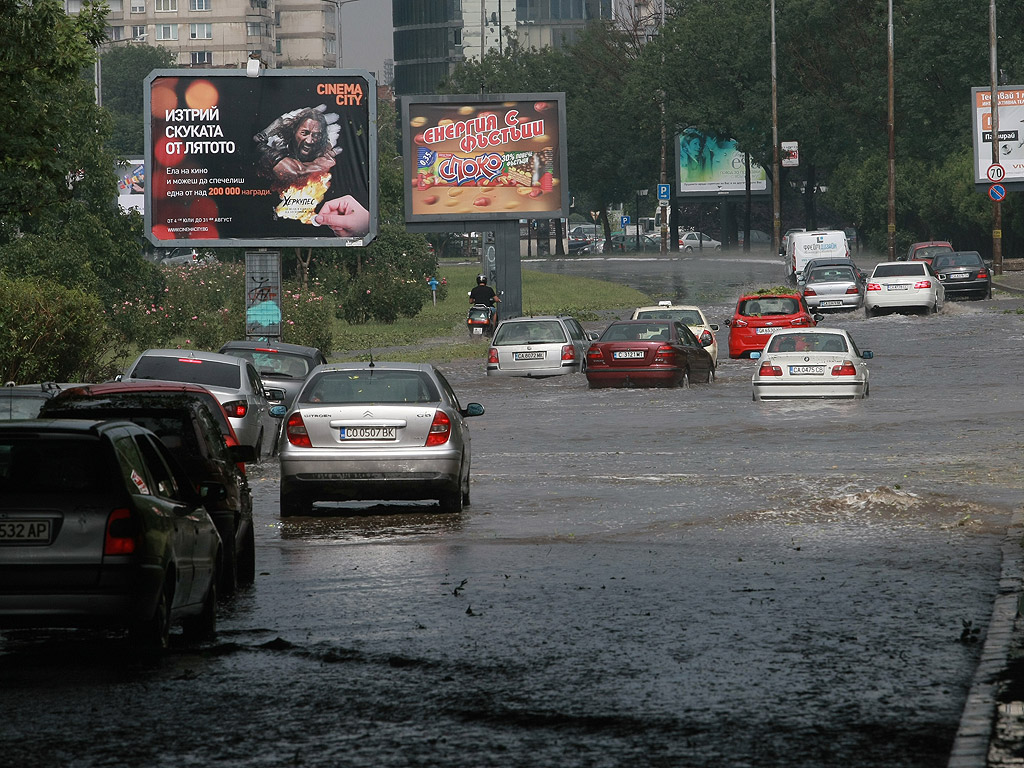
[389,431]
[545,345]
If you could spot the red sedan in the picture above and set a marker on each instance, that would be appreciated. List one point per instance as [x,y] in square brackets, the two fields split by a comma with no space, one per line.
[758,316]
[648,353]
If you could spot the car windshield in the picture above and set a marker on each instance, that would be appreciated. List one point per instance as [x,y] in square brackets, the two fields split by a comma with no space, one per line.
[903,269]
[769,305]
[533,332]
[636,332]
[189,369]
[51,465]
[366,386]
[929,251]
[958,260]
[274,363]
[807,342]
[831,275]
[687,316]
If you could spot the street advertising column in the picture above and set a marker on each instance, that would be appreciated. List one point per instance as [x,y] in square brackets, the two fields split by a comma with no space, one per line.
[263,295]
[288,158]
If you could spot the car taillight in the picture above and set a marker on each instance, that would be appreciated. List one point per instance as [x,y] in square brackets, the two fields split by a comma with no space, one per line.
[230,440]
[846,368]
[594,355]
[767,369]
[296,431]
[801,321]
[809,292]
[923,284]
[874,286]
[982,275]
[492,356]
[568,352]
[236,409]
[663,352]
[440,429]
[737,323]
[852,290]
[121,533]
[706,339]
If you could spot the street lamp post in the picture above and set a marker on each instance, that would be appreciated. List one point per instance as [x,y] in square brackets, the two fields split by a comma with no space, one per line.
[776,185]
[337,29]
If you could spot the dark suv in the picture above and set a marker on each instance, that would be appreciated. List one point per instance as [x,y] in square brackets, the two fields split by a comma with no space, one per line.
[280,366]
[182,419]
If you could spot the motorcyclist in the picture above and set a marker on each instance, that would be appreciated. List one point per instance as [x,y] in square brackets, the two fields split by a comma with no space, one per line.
[483,294]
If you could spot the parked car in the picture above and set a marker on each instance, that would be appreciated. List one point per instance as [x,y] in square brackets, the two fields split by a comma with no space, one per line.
[690,316]
[811,364]
[376,431]
[185,418]
[594,234]
[963,273]
[234,382]
[903,285]
[100,527]
[758,315]
[628,243]
[543,345]
[648,353]
[698,241]
[280,366]
[23,401]
[926,250]
[833,287]
[758,238]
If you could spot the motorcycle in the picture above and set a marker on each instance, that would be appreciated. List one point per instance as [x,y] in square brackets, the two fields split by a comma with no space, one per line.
[481,321]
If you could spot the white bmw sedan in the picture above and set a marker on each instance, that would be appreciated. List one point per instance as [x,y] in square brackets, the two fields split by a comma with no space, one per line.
[813,363]
[903,285]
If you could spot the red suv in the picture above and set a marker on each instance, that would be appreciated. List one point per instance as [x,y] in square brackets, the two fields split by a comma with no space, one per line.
[759,315]
[191,423]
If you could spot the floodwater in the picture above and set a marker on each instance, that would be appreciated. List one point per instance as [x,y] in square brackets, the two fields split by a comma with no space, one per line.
[644,578]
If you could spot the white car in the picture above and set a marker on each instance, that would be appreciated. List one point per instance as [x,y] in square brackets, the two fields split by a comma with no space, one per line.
[693,317]
[695,241]
[903,285]
[538,346]
[812,363]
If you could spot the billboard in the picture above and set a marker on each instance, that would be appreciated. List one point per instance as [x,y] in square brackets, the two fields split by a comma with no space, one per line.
[1010,99]
[490,157]
[131,184]
[707,166]
[287,158]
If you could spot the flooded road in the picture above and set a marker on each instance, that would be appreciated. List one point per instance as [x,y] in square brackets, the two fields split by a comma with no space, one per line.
[644,578]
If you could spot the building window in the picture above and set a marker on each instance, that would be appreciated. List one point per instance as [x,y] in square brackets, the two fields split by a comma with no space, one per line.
[199,5]
[329,46]
[139,32]
[277,18]
[115,6]
[166,31]
[115,33]
[166,6]
[138,6]
[200,31]
[202,57]
[74,7]
[277,47]
[253,29]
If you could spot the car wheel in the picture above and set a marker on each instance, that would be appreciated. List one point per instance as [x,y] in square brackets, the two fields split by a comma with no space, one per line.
[711,375]
[229,570]
[988,293]
[868,312]
[928,310]
[294,503]
[465,489]
[247,557]
[204,625]
[685,381]
[451,502]
[154,633]
[259,448]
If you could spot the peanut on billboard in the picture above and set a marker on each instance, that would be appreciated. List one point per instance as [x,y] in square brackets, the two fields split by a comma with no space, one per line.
[499,156]
[285,158]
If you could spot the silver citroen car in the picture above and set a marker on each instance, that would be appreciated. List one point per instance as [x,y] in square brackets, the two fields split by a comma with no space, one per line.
[364,431]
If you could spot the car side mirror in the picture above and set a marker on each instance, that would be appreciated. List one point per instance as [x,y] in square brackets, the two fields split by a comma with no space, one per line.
[728,322]
[473,409]
[278,411]
[818,318]
[713,326]
[242,454]
[212,492]
[755,355]
[275,395]
[867,354]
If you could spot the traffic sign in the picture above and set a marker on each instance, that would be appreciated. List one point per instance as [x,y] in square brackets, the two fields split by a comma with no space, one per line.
[996,172]
[665,191]
[997,192]
[625,220]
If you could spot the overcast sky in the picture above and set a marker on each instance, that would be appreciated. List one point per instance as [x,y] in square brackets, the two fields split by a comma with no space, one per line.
[366,35]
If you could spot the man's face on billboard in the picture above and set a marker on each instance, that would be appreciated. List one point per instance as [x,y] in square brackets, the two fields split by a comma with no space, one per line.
[307,139]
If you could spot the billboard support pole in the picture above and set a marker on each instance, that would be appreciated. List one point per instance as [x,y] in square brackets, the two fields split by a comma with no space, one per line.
[997,208]
[508,267]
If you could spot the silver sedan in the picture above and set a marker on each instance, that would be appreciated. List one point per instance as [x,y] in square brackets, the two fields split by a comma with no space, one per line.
[814,363]
[833,287]
[390,431]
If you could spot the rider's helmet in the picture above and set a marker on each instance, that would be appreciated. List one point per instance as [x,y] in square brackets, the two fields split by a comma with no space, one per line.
[481,279]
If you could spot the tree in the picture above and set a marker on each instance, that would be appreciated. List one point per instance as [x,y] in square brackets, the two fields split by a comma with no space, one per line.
[125,68]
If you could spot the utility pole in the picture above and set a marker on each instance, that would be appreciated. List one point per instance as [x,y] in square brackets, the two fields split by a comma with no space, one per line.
[997,207]
[892,147]
[776,186]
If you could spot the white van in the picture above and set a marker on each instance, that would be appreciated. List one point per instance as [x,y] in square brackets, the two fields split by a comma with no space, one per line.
[804,246]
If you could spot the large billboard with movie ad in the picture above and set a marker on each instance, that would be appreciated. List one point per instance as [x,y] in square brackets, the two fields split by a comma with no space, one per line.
[498,156]
[1010,151]
[288,157]
[707,166]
